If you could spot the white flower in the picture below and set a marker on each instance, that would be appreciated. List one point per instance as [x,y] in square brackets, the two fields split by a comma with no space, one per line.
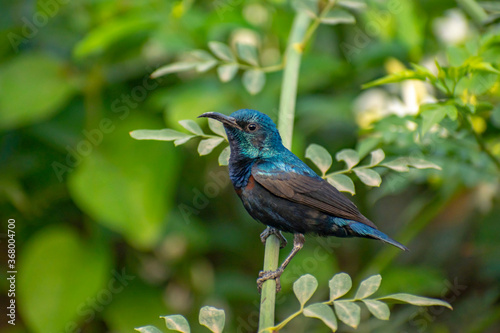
[452,29]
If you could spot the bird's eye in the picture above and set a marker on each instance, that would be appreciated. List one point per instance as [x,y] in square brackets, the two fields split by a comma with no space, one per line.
[252,127]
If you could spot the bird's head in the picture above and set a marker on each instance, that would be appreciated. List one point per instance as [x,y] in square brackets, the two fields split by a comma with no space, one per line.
[249,132]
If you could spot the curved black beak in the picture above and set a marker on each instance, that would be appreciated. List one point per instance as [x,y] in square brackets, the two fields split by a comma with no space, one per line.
[230,121]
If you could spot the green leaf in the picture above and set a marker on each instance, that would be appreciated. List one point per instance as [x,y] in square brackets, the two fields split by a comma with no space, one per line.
[33,87]
[248,53]
[399,164]
[224,156]
[485,66]
[419,163]
[339,285]
[205,60]
[254,80]
[127,185]
[60,273]
[342,183]
[227,72]
[421,70]
[368,287]
[304,288]
[323,312]
[217,127]
[191,126]
[177,323]
[338,16]
[111,31]
[349,156]
[416,300]
[378,309]
[320,156]
[202,55]
[368,176]
[206,146]
[173,68]
[348,312]
[377,157]
[165,134]
[182,141]
[205,66]
[222,51]
[396,77]
[352,4]
[213,318]
[147,329]
[431,114]
[456,55]
[478,83]
[451,112]
[310,7]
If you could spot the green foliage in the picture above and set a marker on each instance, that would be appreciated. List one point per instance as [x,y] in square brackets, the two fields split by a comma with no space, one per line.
[210,317]
[47,85]
[171,220]
[176,323]
[468,78]
[323,160]
[101,186]
[345,310]
[228,64]
[206,145]
[53,263]
[246,55]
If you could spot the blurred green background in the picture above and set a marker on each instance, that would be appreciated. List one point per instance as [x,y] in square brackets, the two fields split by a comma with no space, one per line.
[102,242]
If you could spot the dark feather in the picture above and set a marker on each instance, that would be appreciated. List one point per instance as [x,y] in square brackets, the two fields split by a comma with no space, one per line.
[308,190]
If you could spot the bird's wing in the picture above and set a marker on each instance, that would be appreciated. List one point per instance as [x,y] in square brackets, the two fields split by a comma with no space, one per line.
[307,189]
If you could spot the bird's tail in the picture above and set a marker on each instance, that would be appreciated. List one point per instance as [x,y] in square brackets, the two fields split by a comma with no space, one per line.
[364,230]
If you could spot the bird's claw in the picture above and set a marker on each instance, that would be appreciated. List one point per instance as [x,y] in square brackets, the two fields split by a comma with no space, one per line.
[272,231]
[268,275]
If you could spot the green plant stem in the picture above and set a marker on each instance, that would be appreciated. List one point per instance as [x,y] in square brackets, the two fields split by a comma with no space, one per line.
[476,12]
[291,78]
[316,24]
[285,126]
[268,296]
[267,69]
[284,322]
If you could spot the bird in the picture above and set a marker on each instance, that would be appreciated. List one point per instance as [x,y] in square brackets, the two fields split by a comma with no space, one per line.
[281,191]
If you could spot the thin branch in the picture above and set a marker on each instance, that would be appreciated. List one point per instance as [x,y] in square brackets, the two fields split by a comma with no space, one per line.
[316,23]
[285,126]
